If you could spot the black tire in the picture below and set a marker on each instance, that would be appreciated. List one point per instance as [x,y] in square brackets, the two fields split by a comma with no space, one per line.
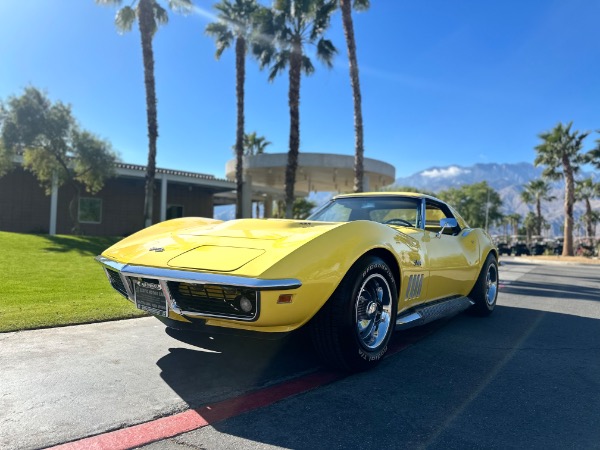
[352,330]
[485,291]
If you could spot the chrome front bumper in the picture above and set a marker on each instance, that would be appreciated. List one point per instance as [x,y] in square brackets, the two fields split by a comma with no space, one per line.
[157,290]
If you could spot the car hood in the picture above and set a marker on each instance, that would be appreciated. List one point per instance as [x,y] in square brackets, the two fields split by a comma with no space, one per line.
[217,246]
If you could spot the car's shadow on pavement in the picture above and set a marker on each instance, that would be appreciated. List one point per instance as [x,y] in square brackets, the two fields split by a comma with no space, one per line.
[224,366]
[550,290]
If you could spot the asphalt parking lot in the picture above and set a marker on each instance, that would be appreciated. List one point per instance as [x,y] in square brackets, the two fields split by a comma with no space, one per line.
[526,377]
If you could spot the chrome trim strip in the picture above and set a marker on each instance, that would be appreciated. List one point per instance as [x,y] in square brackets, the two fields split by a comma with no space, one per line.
[409,287]
[186,276]
[405,320]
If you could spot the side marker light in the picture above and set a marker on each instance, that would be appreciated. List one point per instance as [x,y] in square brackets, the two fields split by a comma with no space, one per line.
[285,298]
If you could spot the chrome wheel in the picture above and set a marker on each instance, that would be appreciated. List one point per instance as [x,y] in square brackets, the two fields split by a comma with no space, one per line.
[491,284]
[373,311]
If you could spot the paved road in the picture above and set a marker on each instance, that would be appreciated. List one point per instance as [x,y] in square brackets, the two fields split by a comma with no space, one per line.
[527,377]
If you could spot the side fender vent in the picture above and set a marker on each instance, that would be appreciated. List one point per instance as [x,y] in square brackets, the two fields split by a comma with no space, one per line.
[415,284]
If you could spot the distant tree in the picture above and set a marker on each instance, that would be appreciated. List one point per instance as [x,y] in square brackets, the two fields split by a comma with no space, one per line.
[254,145]
[303,208]
[560,153]
[6,162]
[286,30]
[149,14]
[585,191]
[54,148]
[530,225]
[478,203]
[535,192]
[235,25]
[346,7]
[514,220]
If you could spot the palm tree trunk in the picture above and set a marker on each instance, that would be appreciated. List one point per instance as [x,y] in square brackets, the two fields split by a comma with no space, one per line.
[569,201]
[294,103]
[240,70]
[538,210]
[588,219]
[346,7]
[146,24]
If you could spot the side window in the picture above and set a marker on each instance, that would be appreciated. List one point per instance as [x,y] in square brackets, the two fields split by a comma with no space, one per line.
[433,214]
[401,215]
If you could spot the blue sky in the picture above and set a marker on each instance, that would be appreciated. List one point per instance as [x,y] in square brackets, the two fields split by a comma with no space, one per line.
[443,81]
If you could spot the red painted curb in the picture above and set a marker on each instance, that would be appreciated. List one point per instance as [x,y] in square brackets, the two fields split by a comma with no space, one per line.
[193,419]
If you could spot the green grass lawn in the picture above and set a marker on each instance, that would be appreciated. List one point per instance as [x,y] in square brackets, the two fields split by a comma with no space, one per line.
[53,280]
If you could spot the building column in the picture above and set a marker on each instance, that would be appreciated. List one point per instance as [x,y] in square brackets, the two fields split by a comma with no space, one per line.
[163,198]
[268,213]
[247,197]
[53,204]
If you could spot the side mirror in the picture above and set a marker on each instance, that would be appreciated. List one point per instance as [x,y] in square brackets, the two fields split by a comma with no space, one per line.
[446,223]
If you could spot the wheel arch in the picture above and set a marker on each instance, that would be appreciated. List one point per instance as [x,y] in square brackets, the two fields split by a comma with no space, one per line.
[389,258]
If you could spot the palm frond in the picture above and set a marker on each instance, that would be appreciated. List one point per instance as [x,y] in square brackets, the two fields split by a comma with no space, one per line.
[222,35]
[125,18]
[325,52]
[361,5]
[322,19]
[160,14]
[181,6]
[307,65]
[281,61]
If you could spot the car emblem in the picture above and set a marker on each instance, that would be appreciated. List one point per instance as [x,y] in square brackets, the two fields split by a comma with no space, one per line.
[417,262]
[156,249]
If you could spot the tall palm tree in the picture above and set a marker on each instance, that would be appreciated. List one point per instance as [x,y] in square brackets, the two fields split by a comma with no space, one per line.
[585,190]
[235,24]
[149,14]
[255,145]
[560,153]
[359,149]
[286,30]
[536,191]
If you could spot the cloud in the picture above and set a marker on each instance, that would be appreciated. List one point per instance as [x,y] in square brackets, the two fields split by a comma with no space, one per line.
[448,172]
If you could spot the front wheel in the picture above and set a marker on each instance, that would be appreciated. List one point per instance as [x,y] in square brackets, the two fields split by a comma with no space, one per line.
[352,330]
[485,291]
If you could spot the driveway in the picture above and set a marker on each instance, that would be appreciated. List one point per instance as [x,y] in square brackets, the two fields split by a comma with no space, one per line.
[528,376]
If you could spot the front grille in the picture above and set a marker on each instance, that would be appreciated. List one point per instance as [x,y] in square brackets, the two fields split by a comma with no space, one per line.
[213,300]
[116,282]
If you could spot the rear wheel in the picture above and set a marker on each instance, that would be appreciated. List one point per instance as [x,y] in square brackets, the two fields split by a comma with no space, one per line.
[485,291]
[352,330]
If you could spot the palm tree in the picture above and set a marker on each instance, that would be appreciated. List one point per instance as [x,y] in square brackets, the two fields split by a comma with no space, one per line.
[536,191]
[359,149]
[585,190]
[560,153]
[286,30]
[255,145]
[149,14]
[235,24]
[514,219]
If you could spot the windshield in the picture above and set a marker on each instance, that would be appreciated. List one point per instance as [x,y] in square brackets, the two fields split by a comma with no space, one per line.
[400,211]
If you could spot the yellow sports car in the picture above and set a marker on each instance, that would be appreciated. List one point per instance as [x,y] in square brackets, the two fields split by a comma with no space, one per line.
[359,267]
